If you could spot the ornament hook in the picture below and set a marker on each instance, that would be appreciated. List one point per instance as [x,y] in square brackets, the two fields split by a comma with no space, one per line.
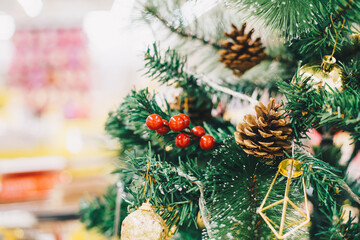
[337,34]
[150,183]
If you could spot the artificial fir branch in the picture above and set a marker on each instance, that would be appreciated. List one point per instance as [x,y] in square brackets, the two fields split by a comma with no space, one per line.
[303,105]
[309,32]
[173,194]
[168,68]
[351,73]
[179,30]
[127,123]
[339,228]
[285,16]
[232,201]
[343,111]
[310,107]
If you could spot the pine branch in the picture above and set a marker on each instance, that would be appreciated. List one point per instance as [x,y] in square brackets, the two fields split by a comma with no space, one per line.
[309,31]
[127,123]
[168,68]
[174,196]
[290,17]
[351,72]
[337,227]
[309,107]
[179,30]
[304,104]
[236,184]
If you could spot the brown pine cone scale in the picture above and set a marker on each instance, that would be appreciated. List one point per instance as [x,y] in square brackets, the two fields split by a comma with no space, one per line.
[267,134]
[240,52]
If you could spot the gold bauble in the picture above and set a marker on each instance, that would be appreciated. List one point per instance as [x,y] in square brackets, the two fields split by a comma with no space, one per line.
[143,224]
[323,74]
[200,221]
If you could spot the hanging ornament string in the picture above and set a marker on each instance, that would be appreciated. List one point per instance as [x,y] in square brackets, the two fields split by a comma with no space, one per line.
[202,203]
[227,90]
[147,176]
[337,33]
[119,195]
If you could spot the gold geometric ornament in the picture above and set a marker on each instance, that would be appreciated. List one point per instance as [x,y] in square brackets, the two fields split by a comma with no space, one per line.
[290,168]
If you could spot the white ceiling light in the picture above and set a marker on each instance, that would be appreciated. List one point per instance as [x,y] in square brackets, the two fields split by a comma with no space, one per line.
[31,7]
[7,26]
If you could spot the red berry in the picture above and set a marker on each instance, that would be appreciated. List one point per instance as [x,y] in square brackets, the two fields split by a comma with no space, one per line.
[207,142]
[164,129]
[154,122]
[182,140]
[176,123]
[186,119]
[198,131]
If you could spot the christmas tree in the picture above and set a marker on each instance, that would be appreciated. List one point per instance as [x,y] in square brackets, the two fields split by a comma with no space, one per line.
[222,152]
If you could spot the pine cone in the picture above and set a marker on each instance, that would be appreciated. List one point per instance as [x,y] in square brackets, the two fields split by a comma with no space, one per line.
[197,109]
[266,135]
[241,53]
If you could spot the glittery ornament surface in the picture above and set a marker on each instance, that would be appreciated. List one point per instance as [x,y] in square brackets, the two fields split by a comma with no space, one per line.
[144,224]
[326,74]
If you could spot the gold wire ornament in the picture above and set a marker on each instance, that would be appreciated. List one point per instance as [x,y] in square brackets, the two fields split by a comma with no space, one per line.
[290,168]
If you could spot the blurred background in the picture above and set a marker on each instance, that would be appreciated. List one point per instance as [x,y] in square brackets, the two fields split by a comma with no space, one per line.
[63,66]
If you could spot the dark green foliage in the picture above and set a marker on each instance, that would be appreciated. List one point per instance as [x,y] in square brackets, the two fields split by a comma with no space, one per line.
[290,17]
[174,197]
[351,74]
[321,37]
[170,69]
[310,107]
[304,103]
[323,178]
[127,123]
[343,111]
[306,24]
[327,196]
[328,153]
[340,228]
[236,185]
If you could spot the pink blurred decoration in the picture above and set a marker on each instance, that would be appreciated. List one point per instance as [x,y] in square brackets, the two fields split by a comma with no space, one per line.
[52,61]
[315,138]
[354,167]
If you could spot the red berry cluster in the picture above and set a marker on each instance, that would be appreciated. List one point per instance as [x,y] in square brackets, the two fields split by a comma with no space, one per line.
[180,123]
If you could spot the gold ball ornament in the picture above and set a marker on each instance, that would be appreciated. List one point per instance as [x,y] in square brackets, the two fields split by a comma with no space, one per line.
[323,74]
[143,224]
